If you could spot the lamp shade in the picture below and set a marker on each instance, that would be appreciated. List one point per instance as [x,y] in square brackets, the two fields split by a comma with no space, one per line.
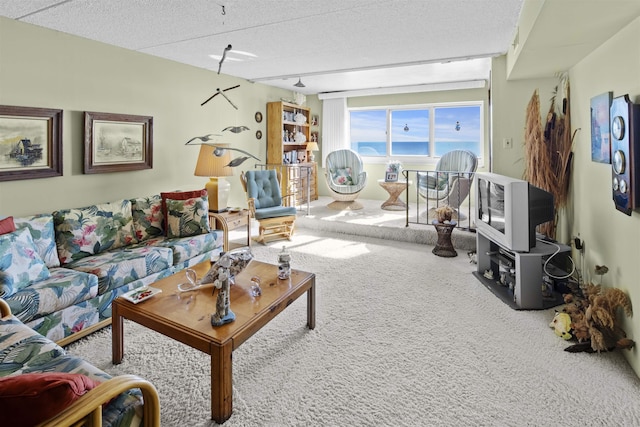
[312,146]
[215,167]
[211,165]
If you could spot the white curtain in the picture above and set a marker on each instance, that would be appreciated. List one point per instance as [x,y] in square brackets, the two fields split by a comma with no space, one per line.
[335,121]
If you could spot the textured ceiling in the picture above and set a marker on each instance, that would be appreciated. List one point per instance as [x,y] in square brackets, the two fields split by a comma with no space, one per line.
[333,45]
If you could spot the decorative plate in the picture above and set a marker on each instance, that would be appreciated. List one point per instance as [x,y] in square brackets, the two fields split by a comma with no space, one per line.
[141,294]
[258,117]
[259,134]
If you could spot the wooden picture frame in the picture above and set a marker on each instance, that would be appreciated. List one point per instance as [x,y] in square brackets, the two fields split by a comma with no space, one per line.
[30,143]
[600,128]
[117,142]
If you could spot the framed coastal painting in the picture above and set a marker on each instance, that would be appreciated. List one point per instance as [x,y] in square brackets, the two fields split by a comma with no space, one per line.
[30,142]
[117,142]
[600,132]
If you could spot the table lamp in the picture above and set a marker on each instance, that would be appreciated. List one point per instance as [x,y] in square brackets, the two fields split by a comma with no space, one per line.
[312,146]
[215,168]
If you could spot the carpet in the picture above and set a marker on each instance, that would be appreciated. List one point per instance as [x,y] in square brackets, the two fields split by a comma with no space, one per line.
[403,338]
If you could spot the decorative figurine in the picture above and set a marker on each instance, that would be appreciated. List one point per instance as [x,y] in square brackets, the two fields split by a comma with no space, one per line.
[284,264]
[223,313]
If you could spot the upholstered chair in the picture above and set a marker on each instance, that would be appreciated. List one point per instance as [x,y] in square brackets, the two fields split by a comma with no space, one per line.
[267,205]
[346,178]
[450,183]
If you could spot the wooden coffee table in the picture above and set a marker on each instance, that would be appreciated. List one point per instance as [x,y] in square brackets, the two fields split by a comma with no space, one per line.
[186,317]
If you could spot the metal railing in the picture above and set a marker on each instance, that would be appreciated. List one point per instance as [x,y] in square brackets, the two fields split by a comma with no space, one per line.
[433,189]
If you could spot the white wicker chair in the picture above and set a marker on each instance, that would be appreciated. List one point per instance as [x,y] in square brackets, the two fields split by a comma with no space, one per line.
[346,178]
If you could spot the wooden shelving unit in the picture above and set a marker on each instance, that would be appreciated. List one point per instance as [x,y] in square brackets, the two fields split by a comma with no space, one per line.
[287,146]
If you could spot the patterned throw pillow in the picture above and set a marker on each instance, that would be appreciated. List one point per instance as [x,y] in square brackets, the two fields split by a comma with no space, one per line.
[20,263]
[178,195]
[187,217]
[148,219]
[343,176]
[92,230]
[42,231]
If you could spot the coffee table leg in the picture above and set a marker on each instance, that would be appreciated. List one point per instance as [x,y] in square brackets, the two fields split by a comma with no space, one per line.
[221,382]
[117,343]
[311,305]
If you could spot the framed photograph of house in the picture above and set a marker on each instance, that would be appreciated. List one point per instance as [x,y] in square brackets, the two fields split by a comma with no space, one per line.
[30,143]
[600,132]
[117,142]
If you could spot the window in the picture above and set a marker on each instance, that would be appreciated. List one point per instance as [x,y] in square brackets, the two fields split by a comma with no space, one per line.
[426,131]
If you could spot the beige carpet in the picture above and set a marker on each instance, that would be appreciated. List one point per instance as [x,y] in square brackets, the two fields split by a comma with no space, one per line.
[403,338]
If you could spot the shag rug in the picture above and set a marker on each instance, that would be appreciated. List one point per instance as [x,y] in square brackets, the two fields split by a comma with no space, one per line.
[403,338]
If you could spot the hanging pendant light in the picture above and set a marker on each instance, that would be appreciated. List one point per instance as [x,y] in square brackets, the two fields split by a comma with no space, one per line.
[299,84]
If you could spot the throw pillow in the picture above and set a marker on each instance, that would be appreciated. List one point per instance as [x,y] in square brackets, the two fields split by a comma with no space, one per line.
[81,232]
[148,219]
[44,238]
[30,399]
[187,217]
[343,176]
[7,225]
[20,263]
[179,195]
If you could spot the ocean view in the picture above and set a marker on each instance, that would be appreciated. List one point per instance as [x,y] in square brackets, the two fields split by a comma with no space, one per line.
[413,148]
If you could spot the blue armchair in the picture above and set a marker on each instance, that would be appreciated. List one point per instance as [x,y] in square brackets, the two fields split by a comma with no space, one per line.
[266,205]
[346,177]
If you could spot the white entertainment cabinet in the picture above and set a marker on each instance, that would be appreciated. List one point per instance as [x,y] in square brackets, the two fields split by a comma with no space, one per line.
[522,281]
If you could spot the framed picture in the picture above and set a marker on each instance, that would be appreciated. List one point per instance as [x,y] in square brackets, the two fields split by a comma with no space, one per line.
[600,132]
[391,177]
[315,119]
[30,143]
[117,142]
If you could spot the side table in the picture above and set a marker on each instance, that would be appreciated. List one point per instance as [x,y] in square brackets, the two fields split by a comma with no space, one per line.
[444,246]
[227,221]
[395,189]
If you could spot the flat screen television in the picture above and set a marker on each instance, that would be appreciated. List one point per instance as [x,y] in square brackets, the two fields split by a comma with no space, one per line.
[510,209]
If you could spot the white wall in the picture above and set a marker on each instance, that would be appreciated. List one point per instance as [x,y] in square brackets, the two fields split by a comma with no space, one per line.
[611,238]
[49,69]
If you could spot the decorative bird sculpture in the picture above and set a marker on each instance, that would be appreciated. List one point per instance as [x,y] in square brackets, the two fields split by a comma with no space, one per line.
[235,129]
[204,138]
[219,151]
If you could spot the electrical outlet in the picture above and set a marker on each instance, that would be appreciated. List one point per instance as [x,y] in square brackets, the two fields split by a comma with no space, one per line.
[507,143]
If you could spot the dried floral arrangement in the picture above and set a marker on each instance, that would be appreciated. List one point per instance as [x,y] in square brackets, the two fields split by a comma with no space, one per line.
[593,313]
[444,213]
[548,154]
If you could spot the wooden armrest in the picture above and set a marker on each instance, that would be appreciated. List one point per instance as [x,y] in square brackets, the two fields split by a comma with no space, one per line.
[251,204]
[88,409]
[5,310]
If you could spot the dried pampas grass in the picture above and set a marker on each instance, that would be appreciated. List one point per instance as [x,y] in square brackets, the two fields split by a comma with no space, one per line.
[548,154]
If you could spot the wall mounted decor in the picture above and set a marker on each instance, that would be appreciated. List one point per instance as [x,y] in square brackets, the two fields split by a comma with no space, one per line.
[625,154]
[117,142]
[258,134]
[30,143]
[258,116]
[600,135]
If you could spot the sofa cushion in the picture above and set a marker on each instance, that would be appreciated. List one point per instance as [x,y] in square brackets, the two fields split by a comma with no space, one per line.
[43,234]
[188,217]
[342,176]
[29,399]
[178,195]
[186,248]
[7,225]
[121,266]
[64,288]
[82,232]
[148,219]
[20,263]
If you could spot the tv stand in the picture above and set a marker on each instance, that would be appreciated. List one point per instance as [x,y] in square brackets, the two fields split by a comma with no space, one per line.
[517,277]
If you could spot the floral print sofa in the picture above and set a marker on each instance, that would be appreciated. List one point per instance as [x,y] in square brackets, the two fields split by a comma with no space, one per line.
[40,382]
[67,267]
